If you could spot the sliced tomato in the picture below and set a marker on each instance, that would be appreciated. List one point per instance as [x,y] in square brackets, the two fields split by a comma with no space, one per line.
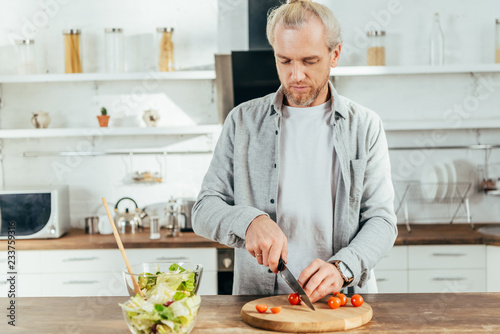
[261,308]
[276,309]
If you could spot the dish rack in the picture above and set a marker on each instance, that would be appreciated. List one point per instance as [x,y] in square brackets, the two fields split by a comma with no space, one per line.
[415,201]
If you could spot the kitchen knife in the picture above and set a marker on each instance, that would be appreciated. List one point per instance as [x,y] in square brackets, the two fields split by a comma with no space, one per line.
[293,284]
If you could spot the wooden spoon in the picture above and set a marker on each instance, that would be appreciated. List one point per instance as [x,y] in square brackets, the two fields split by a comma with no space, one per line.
[120,246]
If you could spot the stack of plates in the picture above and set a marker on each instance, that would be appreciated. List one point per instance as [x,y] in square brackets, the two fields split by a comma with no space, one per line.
[439,180]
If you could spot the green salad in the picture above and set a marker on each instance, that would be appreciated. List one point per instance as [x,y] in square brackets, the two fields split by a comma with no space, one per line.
[169,304]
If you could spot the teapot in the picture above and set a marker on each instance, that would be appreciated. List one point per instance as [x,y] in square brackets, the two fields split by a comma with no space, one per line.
[128,222]
[151,117]
[40,120]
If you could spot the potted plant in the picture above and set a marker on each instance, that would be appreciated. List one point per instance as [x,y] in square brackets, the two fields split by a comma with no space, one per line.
[103,118]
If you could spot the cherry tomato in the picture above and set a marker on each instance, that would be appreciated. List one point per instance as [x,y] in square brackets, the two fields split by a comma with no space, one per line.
[261,308]
[356,300]
[334,302]
[276,309]
[294,298]
[342,297]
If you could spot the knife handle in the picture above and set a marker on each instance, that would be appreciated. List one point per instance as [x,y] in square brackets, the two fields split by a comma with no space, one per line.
[281,266]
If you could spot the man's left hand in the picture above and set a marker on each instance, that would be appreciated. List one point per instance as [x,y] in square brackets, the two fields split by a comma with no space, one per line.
[321,278]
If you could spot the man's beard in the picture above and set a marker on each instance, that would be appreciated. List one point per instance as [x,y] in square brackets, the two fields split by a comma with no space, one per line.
[304,100]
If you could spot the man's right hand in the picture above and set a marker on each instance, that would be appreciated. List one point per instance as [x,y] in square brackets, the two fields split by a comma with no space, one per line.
[266,242]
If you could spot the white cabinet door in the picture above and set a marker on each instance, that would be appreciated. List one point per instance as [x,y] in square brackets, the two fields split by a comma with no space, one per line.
[392,281]
[396,259]
[447,256]
[83,284]
[25,261]
[452,280]
[82,261]
[493,268]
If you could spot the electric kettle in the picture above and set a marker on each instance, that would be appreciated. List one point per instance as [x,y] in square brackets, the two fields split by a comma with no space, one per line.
[127,222]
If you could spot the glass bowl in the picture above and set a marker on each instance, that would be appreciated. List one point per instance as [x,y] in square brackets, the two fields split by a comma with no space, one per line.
[146,272]
[141,326]
[170,297]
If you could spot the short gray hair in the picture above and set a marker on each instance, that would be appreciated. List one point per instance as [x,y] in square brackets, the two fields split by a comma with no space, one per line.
[296,13]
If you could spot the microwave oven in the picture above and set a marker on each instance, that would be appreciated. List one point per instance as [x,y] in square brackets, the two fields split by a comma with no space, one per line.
[34,214]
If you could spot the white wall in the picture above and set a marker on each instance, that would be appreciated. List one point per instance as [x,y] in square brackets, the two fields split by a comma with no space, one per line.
[205,27]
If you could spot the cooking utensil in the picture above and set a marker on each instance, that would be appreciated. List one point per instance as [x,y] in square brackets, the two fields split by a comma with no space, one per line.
[299,319]
[120,246]
[293,284]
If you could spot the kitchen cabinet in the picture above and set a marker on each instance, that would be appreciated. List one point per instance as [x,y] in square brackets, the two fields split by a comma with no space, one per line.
[447,268]
[52,273]
[433,268]
[27,267]
[493,268]
[391,272]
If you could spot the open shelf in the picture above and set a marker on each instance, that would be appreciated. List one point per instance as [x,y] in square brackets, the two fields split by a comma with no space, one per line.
[413,69]
[90,132]
[82,77]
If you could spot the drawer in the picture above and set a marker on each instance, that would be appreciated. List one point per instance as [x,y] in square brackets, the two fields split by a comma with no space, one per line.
[83,284]
[208,285]
[465,280]
[447,257]
[82,261]
[493,268]
[205,256]
[397,258]
[27,285]
[26,261]
[392,281]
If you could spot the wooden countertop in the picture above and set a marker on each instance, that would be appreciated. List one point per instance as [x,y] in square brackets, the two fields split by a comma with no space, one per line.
[431,234]
[392,313]
[77,239]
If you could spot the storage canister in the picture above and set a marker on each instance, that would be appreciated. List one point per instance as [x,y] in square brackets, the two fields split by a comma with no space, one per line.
[114,51]
[72,51]
[497,41]
[165,52]
[26,61]
[376,48]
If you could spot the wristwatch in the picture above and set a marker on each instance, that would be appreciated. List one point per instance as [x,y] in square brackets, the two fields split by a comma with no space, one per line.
[344,271]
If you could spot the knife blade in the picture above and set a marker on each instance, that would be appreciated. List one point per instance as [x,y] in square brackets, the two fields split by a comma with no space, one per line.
[293,284]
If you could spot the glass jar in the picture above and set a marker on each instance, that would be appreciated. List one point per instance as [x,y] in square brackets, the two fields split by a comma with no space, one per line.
[376,48]
[165,51]
[497,41]
[26,62]
[72,51]
[114,51]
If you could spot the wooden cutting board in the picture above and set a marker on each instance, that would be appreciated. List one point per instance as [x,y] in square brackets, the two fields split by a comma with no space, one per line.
[301,319]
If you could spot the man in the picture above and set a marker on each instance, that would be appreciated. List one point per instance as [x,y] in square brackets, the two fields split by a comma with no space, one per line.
[302,174]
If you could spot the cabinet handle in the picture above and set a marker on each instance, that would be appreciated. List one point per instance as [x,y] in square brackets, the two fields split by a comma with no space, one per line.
[449,254]
[80,282]
[381,279]
[439,279]
[163,258]
[74,259]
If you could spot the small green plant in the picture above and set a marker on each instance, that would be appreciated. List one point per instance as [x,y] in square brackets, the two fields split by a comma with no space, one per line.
[104,112]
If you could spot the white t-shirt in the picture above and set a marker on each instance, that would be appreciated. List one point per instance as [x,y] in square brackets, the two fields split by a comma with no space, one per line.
[308,174]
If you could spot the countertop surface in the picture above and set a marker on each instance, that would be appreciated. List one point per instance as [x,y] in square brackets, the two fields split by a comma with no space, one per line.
[392,313]
[428,234]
